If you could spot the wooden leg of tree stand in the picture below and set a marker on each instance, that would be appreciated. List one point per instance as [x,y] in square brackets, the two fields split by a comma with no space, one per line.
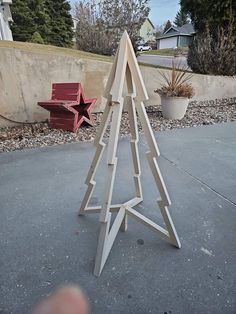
[135,155]
[100,145]
[164,202]
[134,146]
[107,238]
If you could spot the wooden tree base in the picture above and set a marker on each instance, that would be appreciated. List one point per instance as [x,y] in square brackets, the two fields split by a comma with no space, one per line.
[125,70]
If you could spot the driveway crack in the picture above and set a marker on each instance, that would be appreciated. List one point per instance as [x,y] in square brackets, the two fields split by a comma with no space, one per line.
[198,180]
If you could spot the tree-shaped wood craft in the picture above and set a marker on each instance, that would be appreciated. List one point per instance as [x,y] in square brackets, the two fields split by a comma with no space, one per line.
[125,68]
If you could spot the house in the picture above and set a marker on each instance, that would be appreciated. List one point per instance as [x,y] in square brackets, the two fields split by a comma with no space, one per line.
[147,31]
[75,23]
[5,19]
[176,37]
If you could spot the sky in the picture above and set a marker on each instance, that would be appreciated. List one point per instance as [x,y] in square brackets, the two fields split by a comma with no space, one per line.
[161,10]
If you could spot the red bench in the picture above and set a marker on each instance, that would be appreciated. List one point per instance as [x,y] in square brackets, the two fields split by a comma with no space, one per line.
[68,107]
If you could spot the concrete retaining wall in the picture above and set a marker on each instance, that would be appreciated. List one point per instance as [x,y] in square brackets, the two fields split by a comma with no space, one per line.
[207,87]
[26,77]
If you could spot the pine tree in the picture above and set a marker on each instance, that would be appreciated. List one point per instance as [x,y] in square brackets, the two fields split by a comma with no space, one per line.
[29,16]
[213,48]
[37,38]
[61,23]
[41,18]
[50,18]
[167,26]
[211,13]
[181,18]
[23,25]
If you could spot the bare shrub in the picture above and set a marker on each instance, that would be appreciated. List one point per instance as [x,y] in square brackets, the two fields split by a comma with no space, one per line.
[102,22]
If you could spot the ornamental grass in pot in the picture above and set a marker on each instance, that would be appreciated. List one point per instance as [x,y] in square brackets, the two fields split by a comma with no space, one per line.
[175,92]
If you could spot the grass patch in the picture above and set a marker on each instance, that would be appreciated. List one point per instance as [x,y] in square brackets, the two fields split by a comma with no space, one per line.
[153,66]
[167,51]
[160,67]
[48,49]
[161,52]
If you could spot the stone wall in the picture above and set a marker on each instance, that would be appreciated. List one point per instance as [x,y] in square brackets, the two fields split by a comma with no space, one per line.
[26,78]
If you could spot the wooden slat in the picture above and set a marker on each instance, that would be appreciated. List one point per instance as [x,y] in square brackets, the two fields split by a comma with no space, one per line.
[97,209]
[148,222]
[66,91]
[66,85]
[97,157]
[62,120]
[114,230]
[169,224]
[114,208]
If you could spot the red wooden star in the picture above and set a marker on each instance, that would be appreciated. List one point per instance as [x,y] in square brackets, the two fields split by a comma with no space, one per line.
[68,107]
[84,108]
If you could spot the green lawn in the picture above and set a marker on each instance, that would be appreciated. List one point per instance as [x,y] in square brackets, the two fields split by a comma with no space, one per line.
[47,49]
[165,52]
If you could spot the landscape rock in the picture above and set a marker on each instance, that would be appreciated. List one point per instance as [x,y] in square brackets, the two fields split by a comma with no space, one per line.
[40,135]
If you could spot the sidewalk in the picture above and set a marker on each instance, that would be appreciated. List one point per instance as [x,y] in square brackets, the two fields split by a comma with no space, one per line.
[44,244]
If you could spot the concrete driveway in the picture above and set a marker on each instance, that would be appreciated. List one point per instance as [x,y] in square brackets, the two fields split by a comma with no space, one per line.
[165,61]
[44,244]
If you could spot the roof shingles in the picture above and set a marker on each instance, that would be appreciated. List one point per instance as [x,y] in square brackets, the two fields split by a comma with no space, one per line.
[186,29]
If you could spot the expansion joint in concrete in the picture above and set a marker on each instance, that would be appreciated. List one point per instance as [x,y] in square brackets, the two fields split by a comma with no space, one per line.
[199,180]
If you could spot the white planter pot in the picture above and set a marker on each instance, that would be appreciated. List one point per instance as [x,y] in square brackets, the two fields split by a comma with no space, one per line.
[174,107]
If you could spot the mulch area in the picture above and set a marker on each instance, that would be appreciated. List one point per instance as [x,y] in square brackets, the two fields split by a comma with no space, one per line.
[40,135]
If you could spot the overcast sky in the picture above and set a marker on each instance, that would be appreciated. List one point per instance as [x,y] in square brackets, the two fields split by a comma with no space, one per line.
[161,10]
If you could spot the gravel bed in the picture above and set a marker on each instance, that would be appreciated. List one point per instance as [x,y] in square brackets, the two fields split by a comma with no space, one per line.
[39,134]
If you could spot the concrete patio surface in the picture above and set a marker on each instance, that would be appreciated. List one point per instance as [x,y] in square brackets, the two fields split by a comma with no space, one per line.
[44,244]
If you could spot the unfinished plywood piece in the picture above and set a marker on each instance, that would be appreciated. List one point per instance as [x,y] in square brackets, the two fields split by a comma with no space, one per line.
[125,70]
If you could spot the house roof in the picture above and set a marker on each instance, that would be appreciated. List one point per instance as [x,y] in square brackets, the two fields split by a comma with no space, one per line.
[150,22]
[185,30]
[147,19]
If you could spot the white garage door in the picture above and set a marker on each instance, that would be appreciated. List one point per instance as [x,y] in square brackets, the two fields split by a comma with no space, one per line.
[168,42]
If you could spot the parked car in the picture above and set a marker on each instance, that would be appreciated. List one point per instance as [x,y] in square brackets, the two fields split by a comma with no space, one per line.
[144,48]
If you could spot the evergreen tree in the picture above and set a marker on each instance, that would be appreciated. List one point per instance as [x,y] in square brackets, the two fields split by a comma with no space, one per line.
[181,18]
[29,16]
[61,23]
[37,38]
[213,48]
[50,18]
[41,18]
[23,25]
[167,26]
[210,14]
